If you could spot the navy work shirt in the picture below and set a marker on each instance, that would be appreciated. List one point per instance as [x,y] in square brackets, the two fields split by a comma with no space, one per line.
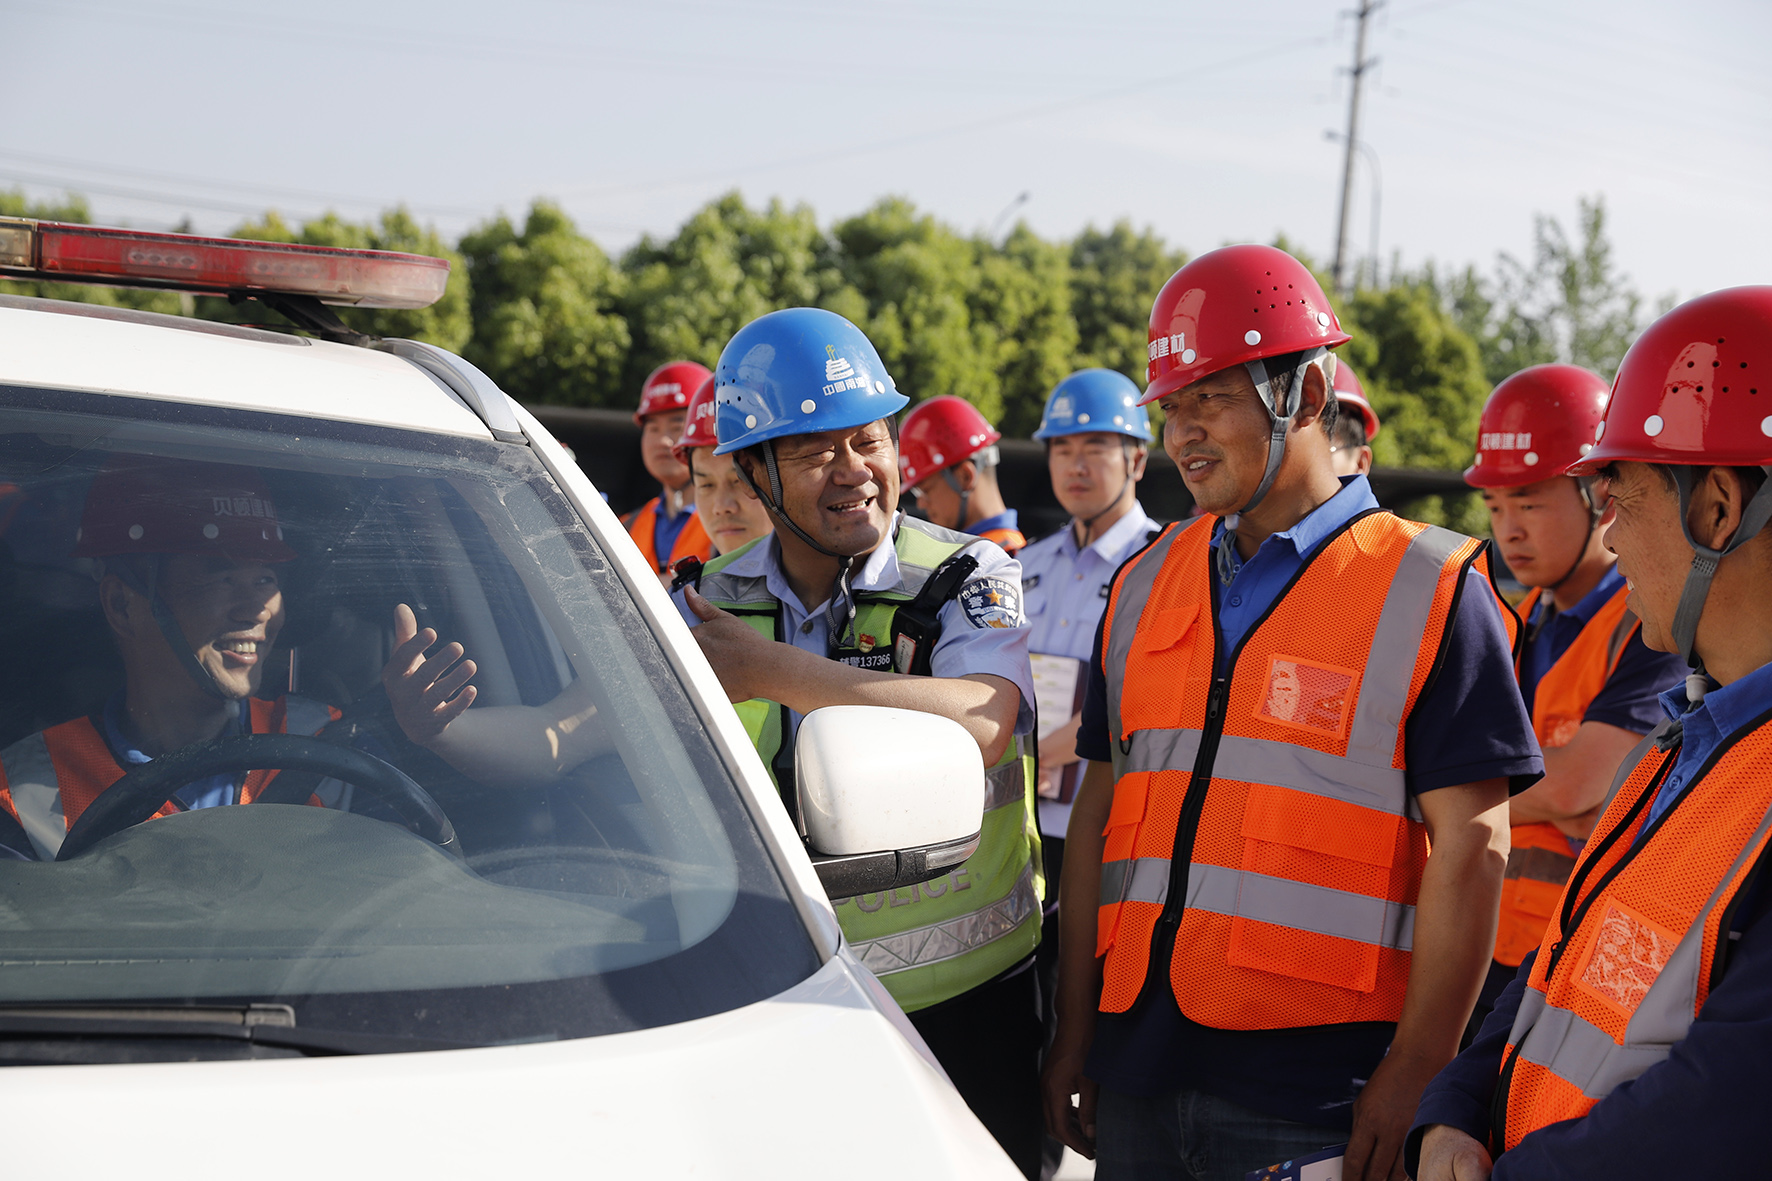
[1628,700]
[1469,725]
[1699,1113]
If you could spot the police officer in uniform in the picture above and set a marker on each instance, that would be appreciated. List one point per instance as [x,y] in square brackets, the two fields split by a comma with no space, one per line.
[1292,698]
[1096,438]
[850,602]
[1634,1041]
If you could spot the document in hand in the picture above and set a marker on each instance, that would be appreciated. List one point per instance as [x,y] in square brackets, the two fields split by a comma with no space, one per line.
[1318,1166]
[1059,682]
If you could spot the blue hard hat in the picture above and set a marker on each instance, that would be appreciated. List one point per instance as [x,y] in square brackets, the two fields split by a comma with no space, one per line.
[1094,400]
[797,372]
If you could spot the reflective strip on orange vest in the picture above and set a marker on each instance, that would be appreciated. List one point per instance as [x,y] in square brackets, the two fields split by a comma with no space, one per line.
[1540,861]
[1305,859]
[1610,999]
[49,779]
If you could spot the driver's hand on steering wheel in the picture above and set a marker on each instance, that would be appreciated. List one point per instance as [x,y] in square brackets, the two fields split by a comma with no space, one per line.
[426,692]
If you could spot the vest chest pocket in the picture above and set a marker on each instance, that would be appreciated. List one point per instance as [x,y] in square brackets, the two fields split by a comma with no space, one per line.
[1310,900]
[1156,691]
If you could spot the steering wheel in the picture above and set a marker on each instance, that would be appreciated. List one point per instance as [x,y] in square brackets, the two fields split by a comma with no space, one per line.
[141,792]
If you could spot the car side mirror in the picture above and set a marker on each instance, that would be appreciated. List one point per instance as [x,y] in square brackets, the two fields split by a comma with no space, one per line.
[888,797]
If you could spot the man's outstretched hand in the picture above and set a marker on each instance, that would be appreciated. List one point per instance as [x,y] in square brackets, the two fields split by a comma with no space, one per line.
[744,661]
[426,692]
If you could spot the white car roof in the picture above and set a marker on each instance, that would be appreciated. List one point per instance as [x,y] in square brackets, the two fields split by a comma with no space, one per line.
[72,346]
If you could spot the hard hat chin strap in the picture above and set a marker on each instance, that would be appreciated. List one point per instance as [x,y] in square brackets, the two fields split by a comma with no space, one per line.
[772,502]
[1704,568]
[1282,409]
[169,628]
[845,562]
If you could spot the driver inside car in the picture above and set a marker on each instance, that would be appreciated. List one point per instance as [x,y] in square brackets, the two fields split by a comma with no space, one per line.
[187,558]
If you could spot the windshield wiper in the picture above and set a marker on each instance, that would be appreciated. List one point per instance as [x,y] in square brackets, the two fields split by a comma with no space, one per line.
[262,1024]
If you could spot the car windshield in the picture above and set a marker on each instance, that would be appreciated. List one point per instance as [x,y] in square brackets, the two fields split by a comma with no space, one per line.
[567,857]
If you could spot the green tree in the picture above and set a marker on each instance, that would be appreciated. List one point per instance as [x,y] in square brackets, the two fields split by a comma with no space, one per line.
[545,322]
[1424,376]
[918,280]
[446,323]
[1568,303]
[726,266]
[1115,277]
[1022,309]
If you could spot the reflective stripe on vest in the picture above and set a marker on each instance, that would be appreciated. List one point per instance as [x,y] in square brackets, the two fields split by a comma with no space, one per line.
[1011,540]
[1304,854]
[1610,998]
[930,942]
[692,539]
[48,779]
[1540,860]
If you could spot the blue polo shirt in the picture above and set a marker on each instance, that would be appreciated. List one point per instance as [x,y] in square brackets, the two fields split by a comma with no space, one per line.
[1468,725]
[1629,698]
[1700,1113]
[666,529]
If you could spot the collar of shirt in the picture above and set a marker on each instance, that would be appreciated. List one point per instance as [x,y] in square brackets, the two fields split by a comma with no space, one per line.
[1007,519]
[1590,602]
[664,506]
[1704,726]
[1354,498]
[1113,543]
[878,571]
[201,793]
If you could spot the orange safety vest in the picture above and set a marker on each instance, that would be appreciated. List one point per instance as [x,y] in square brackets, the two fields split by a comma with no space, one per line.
[692,539]
[49,778]
[1540,861]
[1640,937]
[1010,540]
[1262,842]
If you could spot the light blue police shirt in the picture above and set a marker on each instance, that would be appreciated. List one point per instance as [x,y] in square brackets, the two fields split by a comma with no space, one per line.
[965,647]
[1065,590]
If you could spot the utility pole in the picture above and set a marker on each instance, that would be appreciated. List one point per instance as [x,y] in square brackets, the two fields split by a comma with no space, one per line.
[1361,65]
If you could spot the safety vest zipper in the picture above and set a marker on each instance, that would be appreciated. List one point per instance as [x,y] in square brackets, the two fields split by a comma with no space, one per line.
[1187,826]
[1193,804]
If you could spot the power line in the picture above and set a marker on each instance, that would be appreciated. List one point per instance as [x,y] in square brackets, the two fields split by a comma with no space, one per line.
[984,124]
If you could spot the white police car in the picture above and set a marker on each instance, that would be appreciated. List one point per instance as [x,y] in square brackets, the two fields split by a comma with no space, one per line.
[624,967]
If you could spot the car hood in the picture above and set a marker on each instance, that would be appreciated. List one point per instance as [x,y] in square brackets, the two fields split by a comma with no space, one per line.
[821,1080]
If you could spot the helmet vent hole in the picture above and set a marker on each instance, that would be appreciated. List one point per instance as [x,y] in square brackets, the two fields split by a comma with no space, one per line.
[1689,364]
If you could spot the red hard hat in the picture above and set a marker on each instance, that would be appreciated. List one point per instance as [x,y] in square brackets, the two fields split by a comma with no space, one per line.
[1696,388]
[668,388]
[1535,424]
[1349,392]
[138,505]
[1235,304]
[938,434]
[698,426]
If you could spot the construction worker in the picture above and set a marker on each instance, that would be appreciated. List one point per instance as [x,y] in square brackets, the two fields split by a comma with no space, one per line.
[1096,444]
[1634,1041]
[665,527]
[1356,424]
[729,515]
[187,557]
[845,598]
[1588,681]
[1290,698]
[948,457]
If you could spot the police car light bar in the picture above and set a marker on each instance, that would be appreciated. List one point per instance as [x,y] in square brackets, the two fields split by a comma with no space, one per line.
[47,250]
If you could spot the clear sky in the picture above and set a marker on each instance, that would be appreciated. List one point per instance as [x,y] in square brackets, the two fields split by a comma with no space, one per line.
[1203,120]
